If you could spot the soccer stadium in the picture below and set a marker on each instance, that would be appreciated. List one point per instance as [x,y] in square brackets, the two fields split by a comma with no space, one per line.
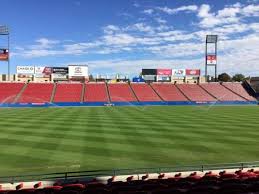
[151,107]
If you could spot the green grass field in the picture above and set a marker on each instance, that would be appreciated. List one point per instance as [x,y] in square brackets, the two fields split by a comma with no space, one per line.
[39,140]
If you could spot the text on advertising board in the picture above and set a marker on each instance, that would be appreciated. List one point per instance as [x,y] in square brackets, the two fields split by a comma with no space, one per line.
[43,70]
[178,72]
[211,59]
[164,71]
[60,70]
[78,71]
[193,72]
[25,69]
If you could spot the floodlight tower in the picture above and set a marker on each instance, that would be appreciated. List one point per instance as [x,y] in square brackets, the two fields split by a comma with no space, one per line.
[211,55]
[4,49]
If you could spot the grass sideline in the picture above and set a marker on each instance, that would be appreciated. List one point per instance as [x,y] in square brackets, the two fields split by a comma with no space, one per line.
[42,140]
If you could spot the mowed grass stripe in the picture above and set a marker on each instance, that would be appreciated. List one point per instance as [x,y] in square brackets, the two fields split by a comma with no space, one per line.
[126,137]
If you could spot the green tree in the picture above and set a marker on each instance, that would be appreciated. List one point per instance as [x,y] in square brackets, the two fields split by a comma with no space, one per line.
[91,78]
[224,77]
[238,77]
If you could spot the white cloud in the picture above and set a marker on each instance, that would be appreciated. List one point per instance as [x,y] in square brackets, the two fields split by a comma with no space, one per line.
[110,29]
[228,15]
[44,43]
[136,4]
[160,21]
[119,39]
[251,10]
[204,11]
[141,27]
[170,11]
[148,11]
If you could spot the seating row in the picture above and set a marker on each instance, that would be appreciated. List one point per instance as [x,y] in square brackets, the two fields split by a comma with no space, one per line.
[121,92]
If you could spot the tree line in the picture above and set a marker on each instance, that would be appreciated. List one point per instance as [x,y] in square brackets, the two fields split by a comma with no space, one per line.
[224,77]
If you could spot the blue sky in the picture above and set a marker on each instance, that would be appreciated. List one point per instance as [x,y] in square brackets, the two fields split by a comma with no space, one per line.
[123,36]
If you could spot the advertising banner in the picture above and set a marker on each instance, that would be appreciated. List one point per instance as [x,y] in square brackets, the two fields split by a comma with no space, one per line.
[178,72]
[78,71]
[43,71]
[164,71]
[149,71]
[25,70]
[4,54]
[60,70]
[193,72]
[163,78]
[149,77]
[57,76]
[211,59]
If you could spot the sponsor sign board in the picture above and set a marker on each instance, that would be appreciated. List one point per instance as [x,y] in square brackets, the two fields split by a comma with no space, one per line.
[149,77]
[164,71]
[178,72]
[25,69]
[60,70]
[57,76]
[78,71]
[193,72]
[4,54]
[149,71]
[211,59]
[163,78]
[43,71]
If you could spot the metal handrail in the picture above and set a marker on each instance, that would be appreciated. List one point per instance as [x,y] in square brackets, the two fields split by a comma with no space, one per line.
[117,172]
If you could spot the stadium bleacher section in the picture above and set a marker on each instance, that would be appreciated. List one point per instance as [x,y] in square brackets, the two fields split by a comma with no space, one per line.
[68,92]
[9,91]
[121,92]
[196,93]
[95,92]
[36,93]
[100,94]
[220,92]
[237,88]
[169,92]
[144,92]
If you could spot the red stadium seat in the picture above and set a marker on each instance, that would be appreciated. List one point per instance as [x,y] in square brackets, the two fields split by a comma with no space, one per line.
[195,93]
[169,92]
[121,92]
[37,93]
[8,91]
[95,92]
[220,92]
[68,92]
[144,92]
[239,89]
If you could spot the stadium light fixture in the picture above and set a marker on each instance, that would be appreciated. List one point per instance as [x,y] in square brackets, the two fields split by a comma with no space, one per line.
[211,38]
[4,30]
